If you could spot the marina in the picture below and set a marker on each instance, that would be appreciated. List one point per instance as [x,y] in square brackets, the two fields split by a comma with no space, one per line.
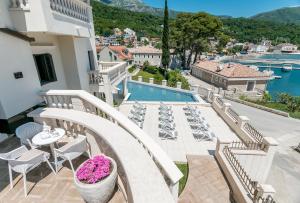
[285,69]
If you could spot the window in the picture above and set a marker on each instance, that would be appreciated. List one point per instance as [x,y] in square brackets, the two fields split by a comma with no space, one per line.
[45,68]
[115,58]
[250,85]
[91,60]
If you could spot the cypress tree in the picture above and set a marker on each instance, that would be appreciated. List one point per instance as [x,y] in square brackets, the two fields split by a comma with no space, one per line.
[165,60]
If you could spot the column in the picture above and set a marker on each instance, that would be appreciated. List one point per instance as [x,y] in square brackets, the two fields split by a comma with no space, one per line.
[178,85]
[164,82]
[151,80]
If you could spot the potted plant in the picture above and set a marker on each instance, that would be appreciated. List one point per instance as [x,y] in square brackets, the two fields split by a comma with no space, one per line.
[95,179]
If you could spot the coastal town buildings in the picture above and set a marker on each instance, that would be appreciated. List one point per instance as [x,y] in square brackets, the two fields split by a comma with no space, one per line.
[286,48]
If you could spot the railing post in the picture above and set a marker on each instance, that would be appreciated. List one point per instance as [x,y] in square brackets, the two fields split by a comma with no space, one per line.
[151,80]
[225,107]
[164,82]
[242,121]
[178,85]
[263,192]
[140,78]
[174,188]
[195,88]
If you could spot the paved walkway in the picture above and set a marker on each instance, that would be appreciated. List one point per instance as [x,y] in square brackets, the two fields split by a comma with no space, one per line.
[285,170]
[185,143]
[206,183]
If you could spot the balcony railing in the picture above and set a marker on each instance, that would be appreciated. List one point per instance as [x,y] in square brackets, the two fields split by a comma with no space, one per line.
[74,8]
[253,132]
[248,183]
[107,73]
[19,4]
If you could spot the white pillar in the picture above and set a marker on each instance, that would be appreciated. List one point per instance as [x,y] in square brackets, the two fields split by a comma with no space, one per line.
[263,191]
[151,80]
[140,78]
[226,106]
[178,85]
[164,82]
[242,121]
[125,87]
[195,88]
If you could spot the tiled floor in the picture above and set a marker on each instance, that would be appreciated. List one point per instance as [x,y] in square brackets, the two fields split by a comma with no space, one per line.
[43,186]
[185,143]
[206,183]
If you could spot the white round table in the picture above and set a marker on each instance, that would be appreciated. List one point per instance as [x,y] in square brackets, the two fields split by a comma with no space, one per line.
[48,138]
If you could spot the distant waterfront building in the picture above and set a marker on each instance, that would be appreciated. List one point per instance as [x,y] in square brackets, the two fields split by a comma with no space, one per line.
[114,54]
[286,48]
[230,76]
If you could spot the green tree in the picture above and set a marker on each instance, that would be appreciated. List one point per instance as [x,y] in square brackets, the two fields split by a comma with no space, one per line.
[190,34]
[165,60]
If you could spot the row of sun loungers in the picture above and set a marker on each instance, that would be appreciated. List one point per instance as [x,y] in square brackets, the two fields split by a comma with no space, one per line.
[198,124]
[137,114]
[166,123]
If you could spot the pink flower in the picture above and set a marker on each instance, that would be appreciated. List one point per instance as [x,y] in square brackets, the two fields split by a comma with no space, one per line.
[94,170]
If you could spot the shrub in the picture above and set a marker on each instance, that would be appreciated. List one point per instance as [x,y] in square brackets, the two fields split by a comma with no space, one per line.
[132,68]
[174,77]
[284,98]
[151,69]
[266,97]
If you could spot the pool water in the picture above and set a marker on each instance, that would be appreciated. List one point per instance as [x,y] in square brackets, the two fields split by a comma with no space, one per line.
[141,92]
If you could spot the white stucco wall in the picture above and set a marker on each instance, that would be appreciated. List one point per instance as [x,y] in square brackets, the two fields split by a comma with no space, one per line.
[153,59]
[17,95]
[46,43]
[5,20]
[82,46]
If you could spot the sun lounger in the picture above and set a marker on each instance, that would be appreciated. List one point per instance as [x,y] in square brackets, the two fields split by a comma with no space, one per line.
[137,112]
[167,126]
[166,134]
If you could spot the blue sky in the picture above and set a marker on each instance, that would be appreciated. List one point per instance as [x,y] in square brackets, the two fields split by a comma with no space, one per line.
[236,8]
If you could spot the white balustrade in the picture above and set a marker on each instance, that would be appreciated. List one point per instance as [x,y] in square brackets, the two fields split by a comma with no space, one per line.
[74,8]
[93,105]
[19,4]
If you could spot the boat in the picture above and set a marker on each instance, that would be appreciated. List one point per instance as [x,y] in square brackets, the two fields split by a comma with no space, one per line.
[287,68]
[277,76]
[268,72]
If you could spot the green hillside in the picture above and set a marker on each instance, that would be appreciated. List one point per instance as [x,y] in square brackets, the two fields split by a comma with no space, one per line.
[283,15]
[107,17]
[252,30]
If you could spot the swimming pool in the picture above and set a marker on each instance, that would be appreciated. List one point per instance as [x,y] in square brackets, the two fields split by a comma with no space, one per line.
[143,92]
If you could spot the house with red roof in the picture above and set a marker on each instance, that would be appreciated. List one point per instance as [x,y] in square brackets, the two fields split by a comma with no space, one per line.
[114,53]
[231,76]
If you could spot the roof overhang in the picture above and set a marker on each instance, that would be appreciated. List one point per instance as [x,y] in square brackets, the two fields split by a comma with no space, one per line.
[17,34]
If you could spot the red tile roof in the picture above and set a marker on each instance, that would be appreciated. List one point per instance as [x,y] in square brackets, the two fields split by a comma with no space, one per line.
[122,52]
[230,70]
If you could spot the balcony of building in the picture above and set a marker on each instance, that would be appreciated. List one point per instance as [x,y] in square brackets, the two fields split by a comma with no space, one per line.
[65,17]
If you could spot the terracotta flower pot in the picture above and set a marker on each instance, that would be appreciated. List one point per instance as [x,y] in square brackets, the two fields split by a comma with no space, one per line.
[101,191]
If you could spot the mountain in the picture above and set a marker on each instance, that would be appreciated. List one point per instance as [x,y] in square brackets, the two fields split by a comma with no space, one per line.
[138,6]
[283,15]
[106,18]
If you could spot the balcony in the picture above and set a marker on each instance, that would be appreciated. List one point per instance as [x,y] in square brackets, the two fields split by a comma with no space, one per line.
[108,73]
[66,17]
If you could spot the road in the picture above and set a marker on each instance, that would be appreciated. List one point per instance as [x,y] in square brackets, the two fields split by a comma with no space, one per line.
[285,170]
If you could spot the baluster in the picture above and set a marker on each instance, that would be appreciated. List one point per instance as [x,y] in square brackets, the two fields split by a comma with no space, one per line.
[14,3]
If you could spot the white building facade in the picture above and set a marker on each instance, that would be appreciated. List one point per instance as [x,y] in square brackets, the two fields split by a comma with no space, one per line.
[146,54]
[44,45]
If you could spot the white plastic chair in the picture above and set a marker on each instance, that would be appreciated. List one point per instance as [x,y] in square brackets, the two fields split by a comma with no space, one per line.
[72,150]
[27,131]
[22,160]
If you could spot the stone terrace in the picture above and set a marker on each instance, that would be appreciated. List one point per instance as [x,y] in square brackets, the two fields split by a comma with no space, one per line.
[42,184]
[185,143]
